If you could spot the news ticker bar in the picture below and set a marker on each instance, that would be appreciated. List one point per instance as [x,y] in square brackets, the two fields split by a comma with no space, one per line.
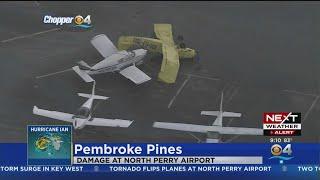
[168,160]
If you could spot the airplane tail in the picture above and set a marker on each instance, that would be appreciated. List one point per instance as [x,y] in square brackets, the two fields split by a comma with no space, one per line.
[215,113]
[220,114]
[221,102]
[81,71]
[83,65]
[92,95]
[227,114]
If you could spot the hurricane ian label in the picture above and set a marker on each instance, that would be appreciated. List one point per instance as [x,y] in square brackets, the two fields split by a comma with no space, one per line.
[49,145]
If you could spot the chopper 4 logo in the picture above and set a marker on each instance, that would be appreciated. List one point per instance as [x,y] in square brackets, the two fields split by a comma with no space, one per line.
[78,21]
[282,124]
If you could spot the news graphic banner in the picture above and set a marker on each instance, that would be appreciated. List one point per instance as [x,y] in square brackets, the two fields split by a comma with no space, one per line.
[295,159]
[50,150]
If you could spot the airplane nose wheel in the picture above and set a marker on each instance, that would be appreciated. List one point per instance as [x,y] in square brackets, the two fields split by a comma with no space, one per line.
[182,45]
[180,38]
[180,41]
[153,35]
[197,65]
[197,57]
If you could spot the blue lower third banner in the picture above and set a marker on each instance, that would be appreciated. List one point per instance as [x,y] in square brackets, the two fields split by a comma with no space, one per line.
[295,159]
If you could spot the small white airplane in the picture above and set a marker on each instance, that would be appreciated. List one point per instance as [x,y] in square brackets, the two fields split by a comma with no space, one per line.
[122,61]
[83,116]
[215,130]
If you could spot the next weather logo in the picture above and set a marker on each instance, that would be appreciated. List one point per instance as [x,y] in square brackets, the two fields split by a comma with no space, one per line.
[282,124]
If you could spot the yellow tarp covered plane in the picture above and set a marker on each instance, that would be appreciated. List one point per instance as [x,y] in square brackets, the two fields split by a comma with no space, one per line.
[164,45]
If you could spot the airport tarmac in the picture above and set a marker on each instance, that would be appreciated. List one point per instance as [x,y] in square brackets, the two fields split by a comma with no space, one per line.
[262,55]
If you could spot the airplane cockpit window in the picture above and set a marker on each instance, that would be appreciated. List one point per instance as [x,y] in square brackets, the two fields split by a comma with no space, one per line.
[83,113]
[132,54]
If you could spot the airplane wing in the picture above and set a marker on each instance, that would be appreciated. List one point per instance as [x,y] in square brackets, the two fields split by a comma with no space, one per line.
[224,114]
[231,114]
[109,122]
[82,74]
[103,44]
[205,129]
[210,113]
[164,33]
[238,130]
[53,114]
[135,74]
[170,62]
[181,127]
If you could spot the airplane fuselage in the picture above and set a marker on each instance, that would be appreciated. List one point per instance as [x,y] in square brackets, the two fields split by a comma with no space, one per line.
[118,61]
[213,137]
[83,115]
[79,123]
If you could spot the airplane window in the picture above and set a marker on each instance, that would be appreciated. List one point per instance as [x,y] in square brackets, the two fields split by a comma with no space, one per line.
[132,54]
[83,113]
